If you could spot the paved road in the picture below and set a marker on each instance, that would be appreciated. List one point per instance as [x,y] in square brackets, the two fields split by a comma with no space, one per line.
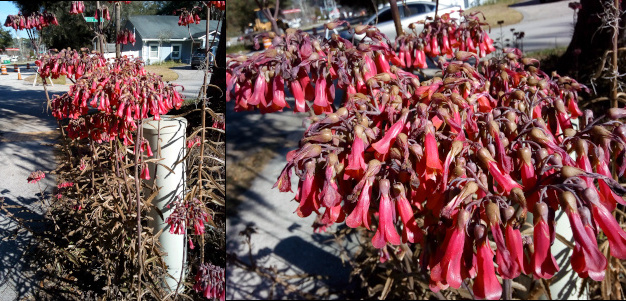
[191,79]
[26,134]
[286,241]
[545,25]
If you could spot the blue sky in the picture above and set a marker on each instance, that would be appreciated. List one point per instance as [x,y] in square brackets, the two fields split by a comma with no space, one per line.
[8,8]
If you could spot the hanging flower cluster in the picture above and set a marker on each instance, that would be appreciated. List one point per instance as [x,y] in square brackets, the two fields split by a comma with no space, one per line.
[36,176]
[35,20]
[443,36]
[105,14]
[191,213]
[210,281]
[451,163]
[188,17]
[308,66]
[68,62]
[221,5]
[126,36]
[120,90]
[78,7]
[445,162]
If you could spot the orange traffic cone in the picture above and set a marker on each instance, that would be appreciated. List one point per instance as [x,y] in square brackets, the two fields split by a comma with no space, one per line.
[4,70]
[14,67]
[19,74]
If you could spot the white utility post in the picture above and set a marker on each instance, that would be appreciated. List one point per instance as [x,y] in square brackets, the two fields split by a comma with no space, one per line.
[172,186]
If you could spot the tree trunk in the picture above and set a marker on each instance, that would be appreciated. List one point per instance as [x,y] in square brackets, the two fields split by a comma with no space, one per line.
[589,43]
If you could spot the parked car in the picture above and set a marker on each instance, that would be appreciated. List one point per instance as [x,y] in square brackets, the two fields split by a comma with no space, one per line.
[199,56]
[413,11]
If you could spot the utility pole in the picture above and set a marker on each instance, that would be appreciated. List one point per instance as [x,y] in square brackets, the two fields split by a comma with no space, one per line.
[118,47]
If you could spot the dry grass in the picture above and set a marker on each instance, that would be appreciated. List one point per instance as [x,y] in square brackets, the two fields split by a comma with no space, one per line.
[59,81]
[164,71]
[240,174]
[499,11]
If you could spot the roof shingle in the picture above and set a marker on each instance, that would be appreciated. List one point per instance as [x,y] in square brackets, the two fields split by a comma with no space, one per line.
[155,27]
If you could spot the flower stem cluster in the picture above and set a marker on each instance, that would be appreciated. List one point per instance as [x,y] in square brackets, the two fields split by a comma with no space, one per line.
[210,281]
[119,91]
[35,20]
[453,163]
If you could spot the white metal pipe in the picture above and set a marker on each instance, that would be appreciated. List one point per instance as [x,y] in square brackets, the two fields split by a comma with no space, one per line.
[172,185]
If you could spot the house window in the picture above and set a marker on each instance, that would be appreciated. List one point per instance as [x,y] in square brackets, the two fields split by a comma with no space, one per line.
[176,50]
[154,51]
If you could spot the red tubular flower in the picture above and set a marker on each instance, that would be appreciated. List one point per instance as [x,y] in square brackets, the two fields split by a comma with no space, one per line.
[410,232]
[420,59]
[307,192]
[323,101]
[386,232]
[608,194]
[504,161]
[383,145]
[455,149]
[278,100]
[360,214]
[514,244]
[486,285]
[611,228]
[407,58]
[507,266]
[369,68]
[434,46]
[504,180]
[260,88]
[572,107]
[448,270]
[356,163]
[382,64]
[586,259]
[330,194]
[298,94]
[542,262]
[431,155]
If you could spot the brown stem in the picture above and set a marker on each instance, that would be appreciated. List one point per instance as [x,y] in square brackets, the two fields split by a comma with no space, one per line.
[395,14]
[507,289]
[137,190]
[118,48]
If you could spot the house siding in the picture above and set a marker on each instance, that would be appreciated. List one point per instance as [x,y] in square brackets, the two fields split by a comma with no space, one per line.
[142,46]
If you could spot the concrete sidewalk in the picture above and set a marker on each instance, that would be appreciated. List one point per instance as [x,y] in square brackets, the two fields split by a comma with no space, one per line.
[26,136]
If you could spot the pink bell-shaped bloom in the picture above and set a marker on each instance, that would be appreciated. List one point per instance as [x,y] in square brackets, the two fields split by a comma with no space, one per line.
[448,269]
[386,232]
[356,163]
[307,192]
[542,262]
[360,214]
[383,145]
[323,101]
[611,228]
[507,266]
[486,285]
[586,259]
[260,88]
[504,180]
[410,230]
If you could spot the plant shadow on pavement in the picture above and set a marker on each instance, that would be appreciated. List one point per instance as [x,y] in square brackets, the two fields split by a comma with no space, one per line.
[294,269]
[20,264]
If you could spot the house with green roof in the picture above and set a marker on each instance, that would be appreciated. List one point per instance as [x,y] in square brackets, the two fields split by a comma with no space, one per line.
[159,38]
